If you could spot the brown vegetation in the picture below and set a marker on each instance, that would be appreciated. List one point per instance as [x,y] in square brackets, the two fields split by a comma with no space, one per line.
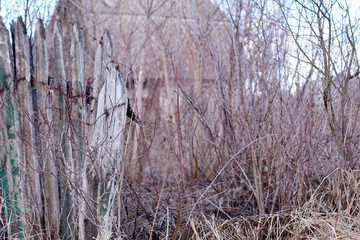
[250,110]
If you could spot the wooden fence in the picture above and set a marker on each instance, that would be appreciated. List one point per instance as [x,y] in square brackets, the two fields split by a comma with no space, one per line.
[61,141]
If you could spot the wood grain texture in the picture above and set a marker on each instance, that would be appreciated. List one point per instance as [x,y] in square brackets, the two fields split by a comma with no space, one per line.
[62,161]
[9,145]
[48,159]
[28,158]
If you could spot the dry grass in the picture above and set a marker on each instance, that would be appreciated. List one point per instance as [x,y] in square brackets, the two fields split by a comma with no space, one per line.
[209,216]
[241,141]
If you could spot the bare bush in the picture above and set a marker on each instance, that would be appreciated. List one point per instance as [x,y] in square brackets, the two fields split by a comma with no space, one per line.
[250,111]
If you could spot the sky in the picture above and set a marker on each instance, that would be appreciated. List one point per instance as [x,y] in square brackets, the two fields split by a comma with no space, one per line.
[10,9]
[354,8]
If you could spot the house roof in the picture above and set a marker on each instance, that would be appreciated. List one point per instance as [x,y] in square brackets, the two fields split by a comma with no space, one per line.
[148,35]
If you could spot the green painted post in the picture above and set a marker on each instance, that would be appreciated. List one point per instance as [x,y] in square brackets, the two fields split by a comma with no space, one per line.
[80,129]
[9,146]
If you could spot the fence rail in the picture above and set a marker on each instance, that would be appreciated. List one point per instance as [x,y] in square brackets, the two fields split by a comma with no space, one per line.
[60,145]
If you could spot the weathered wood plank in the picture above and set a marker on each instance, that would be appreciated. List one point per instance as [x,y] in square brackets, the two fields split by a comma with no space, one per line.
[46,131]
[80,128]
[91,176]
[9,146]
[51,129]
[28,159]
[108,115]
[103,58]
[60,115]
[78,95]
[108,140]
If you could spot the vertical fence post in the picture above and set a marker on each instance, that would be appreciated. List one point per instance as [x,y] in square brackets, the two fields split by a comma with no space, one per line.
[79,126]
[29,162]
[9,145]
[49,140]
[103,58]
[108,141]
[60,115]
[46,129]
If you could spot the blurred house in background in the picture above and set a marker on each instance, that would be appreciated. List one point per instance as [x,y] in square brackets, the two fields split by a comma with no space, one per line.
[159,44]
